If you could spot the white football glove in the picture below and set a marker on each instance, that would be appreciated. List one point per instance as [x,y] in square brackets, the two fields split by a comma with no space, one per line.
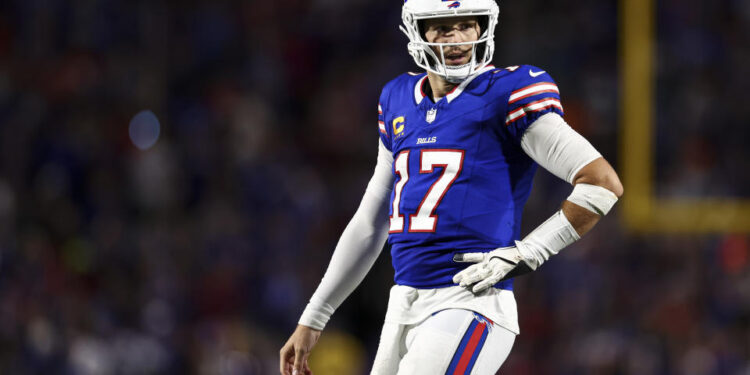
[489,269]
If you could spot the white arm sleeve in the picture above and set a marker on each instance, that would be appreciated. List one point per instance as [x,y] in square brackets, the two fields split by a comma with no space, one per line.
[559,149]
[357,249]
[552,143]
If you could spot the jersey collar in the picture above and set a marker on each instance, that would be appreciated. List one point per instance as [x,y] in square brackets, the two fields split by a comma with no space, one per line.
[418,89]
[419,94]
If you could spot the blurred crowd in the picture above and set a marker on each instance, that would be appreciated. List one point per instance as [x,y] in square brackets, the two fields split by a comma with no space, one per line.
[174,176]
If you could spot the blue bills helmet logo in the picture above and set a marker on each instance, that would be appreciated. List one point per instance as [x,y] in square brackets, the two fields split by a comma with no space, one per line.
[455,4]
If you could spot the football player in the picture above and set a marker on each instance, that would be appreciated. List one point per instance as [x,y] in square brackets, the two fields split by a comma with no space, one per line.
[458,149]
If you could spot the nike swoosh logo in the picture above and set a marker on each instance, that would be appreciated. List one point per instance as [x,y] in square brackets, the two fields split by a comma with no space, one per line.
[535,74]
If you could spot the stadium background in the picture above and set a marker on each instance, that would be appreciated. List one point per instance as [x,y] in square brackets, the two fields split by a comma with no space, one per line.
[174,176]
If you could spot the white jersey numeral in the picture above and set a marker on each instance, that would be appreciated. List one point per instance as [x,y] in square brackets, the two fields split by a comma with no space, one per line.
[425,220]
[451,161]
[401,167]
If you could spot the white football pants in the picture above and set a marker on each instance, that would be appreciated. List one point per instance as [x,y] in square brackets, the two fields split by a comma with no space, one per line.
[452,341]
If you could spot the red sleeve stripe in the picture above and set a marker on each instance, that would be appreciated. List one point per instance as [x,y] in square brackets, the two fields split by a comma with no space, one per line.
[380,109]
[531,90]
[531,108]
[381,125]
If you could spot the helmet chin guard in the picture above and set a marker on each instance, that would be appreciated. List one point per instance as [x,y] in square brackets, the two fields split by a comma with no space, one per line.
[425,57]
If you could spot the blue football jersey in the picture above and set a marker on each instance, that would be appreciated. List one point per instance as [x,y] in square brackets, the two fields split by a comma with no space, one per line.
[461,177]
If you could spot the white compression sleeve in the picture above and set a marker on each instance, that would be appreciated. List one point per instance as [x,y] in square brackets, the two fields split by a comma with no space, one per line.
[554,145]
[357,249]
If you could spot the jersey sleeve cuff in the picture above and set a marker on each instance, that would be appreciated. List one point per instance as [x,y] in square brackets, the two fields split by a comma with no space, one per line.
[316,315]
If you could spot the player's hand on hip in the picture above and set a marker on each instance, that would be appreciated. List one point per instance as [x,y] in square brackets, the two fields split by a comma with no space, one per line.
[489,268]
[294,354]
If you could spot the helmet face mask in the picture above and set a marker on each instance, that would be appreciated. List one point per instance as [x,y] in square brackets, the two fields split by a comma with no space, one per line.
[415,12]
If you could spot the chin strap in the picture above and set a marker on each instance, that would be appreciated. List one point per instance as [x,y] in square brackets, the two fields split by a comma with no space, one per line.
[458,74]
[461,73]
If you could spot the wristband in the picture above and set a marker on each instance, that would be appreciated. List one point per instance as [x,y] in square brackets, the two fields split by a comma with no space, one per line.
[594,198]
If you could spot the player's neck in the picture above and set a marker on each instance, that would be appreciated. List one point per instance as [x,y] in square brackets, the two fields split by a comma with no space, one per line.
[439,87]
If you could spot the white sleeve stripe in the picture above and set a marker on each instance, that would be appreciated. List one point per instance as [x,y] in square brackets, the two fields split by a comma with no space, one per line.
[381,125]
[531,90]
[535,93]
[532,107]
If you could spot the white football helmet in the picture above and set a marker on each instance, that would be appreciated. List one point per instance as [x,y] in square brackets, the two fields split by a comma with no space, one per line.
[415,11]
